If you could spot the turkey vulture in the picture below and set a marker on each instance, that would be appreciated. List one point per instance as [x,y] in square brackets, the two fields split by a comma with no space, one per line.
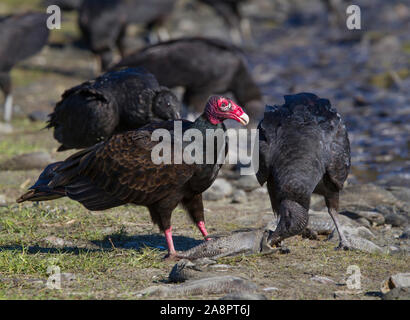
[103,22]
[115,102]
[204,67]
[303,148]
[121,170]
[21,36]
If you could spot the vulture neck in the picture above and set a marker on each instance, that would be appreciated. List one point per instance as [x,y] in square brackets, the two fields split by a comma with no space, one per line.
[202,123]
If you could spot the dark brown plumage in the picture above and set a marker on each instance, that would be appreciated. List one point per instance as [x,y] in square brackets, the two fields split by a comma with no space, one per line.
[21,36]
[114,102]
[303,148]
[121,170]
[204,67]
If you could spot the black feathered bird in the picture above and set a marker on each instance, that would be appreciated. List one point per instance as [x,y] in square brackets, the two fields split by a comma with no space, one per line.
[114,102]
[21,36]
[303,148]
[123,170]
[203,67]
[65,5]
[103,23]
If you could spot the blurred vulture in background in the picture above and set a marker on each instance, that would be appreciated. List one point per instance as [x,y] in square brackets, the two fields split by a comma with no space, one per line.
[21,36]
[230,12]
[65,5]
[203,67]
[103,23]
[114,102]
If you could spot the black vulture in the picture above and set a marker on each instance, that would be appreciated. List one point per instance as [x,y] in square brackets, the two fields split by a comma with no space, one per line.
[114,102]
[230,12]
[21,36]
[64,5]
[303,149]
[103,22]
[203,66]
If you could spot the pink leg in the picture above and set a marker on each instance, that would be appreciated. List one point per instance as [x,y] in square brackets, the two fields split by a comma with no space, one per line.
[170,242]
[201,227]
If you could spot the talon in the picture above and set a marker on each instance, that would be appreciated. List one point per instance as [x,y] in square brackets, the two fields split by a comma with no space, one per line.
[171,257]
[344,246]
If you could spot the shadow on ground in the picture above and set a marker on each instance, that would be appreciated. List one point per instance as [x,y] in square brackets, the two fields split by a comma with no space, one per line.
[113,241]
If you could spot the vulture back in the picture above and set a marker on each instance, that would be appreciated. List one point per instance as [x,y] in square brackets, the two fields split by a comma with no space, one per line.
[299,142]
[114,102]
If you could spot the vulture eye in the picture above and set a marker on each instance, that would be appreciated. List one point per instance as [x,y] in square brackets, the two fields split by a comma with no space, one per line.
[225,106]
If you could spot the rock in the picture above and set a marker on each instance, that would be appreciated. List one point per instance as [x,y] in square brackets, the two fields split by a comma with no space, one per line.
[324,280]
[244,296]
[396,220]
[239,196]
[258,192]
[58,242]
[28,161]
[67,277]
[371,216]
[269,289]
[394,249]
[247,183]
[361,232]
[399,280]
[3,202]
[365,196]
[357,241]
[397,294]
[364,222]
[5,128]
[220,189]
[205,286]
[401,193]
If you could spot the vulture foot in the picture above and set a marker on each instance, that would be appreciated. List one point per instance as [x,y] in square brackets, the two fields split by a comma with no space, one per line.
[344,245]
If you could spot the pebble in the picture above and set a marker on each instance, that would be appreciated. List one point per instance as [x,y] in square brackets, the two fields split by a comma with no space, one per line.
[247,183]
[58,242]
[259,192]
[324,280]
[395,220]
[371,216]
[220,189]
[3,202]
[400,193]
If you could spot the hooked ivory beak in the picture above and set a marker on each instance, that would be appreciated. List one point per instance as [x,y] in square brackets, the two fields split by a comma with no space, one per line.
[244,119]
